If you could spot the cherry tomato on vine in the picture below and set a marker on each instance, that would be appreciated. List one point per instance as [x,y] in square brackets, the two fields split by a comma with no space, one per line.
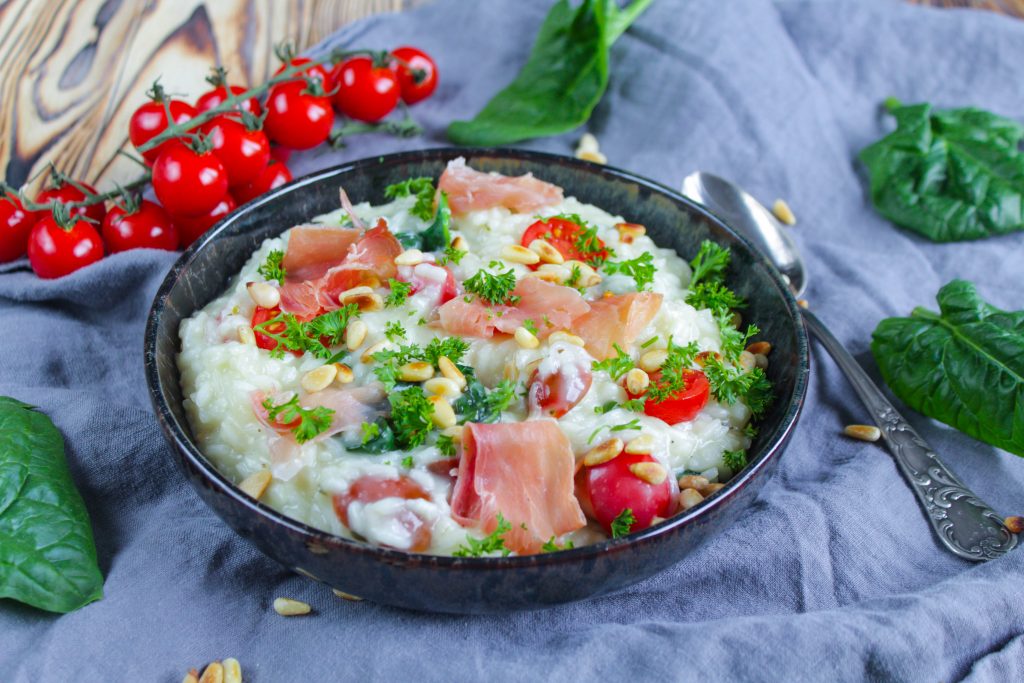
[607,489]
[67,193]
[216,97]
[414,90]
[15,224]
[144,226]
[274,175]
[243,152]
[55,250]
[317,72]
[365,92]
[189,183]
[297,119]
[683,405]
[191,228]
[563,235]
[150,120]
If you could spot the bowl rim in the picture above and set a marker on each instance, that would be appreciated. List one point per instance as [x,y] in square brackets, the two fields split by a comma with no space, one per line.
[180,440]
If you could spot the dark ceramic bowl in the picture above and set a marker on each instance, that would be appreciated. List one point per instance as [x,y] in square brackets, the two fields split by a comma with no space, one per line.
[473,585]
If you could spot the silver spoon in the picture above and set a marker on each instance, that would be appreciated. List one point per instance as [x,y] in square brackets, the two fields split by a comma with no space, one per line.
[964,524]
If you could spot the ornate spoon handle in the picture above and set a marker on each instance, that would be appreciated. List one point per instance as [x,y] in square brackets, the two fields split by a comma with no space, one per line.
[964,524]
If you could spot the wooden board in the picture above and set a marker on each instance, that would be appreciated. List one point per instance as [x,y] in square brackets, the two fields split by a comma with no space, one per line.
[75,70]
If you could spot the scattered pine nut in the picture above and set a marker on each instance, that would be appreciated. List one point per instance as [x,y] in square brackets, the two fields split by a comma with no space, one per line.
[692,481]
[708,489]
[689,497]
[588,276]
[641,445]
[525,338]
[515,253]
[596,157]
[355,334]
[451,371]
[346,596]
[588,143]
[441,386]
[628,232]
[637,381]
[232,670]
[546,252]
[287,607]
[459,243]
[747,361]
[191,677]
[603,452]
[246,335]
[802,303]
[863,432]
[653,360]
[345,374]
[409,257]
[416,371]
[444,415]
[214,673]
[263,294]
[762,347]
[567,337]
[782,211]
[319,378]
[256,483]
[761,361]
[1014,524]
[367,356]
[651,472]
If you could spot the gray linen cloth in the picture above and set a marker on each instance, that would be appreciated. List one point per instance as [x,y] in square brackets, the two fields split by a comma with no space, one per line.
[834,574]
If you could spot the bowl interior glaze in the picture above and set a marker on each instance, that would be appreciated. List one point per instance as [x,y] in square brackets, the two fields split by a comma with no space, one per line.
[472,585]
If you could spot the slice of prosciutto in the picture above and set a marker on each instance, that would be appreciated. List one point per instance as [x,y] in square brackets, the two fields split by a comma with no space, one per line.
[470,190]
[315,249]
[551,307]
[523,470]
[616,320]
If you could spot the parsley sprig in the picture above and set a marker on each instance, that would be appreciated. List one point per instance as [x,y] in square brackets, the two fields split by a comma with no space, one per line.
[410,417]
[641,269]
[493,542]
[674,371]
[730,384]
[311,421]
[388,361]
[271,268]
[735,460]
[621,524]
[494,288]
[615,367]
[315,336]
[710,263]
[421,188]
[399,293]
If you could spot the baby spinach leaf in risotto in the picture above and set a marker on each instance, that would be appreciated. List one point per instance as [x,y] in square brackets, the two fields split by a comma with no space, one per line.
[421,188]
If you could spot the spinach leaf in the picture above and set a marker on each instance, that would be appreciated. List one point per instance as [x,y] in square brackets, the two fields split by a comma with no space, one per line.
[963,366]
[47,555]
[949,175]
[562,81]
[436,237]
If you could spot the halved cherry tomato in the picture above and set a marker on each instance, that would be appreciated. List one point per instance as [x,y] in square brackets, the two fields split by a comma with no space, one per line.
[15,225]
[317,72]
[243,152]
[563,235]
[606,490]
[370,489]
[189,183]
[262,315]
[67,193]
[216,97]
[557,393]
[414,90]
[191,228]
[273,175]
[55,251]
[685,404]
[148,226]
[297,119]
[150,120]
[365,92]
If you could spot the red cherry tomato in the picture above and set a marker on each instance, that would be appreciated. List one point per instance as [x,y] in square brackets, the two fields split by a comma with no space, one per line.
[563,235]
[15,224]
[262,315]
[65,194]
[216,97]
[557,393]
[317,72]
[54,251]
[279,153]
[191,228]
[365,92]
[297,119]
[189,183]
[414,90]
[149,227]
[370,489]
[683,405]
[607,489]
[274,175]
[243,152]
[150,120]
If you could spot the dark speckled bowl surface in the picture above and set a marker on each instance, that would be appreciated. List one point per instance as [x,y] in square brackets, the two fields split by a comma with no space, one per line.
[472,585]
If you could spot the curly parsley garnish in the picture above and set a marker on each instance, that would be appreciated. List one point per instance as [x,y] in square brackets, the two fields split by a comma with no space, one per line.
[399,293]
[494,288]
[730,384]
[710,263]
[410,417]
[715,296]
[311,421]
[293,335]
[388,361]
[479,405]
[421,188]
[641,269]
[674,371]
[492,543]
[621,524]
[550,546]
[454,348]
[615,367]
[446,444]
[452,254]
[394,331]
[735,460]
[530,326]
[271,269]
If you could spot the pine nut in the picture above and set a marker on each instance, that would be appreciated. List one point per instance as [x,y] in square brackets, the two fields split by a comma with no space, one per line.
[367,356]
[641,445]
[246,335]
[692,481]
[409,257]
[455,432]
[232,670]
[746,361]
[443,415]
[256,483]
[460,243]
[689,497]
[319,378]
[355,334]
[588,276]
[441,386]
[782,211]
[651,472]
[762,347]
[525,338]
[518,254]
[345,374]
[416,371]
[346,596]
[713,487]
[546,252]
[364,297]
[628,232]
[451,371]
[214,673]
[761,361]
[637,381]
[863,432]
[263,294]
[191,677]
[567,337]
[603,452]
[653,360]
[596,157]
[587,143]
[802,303]
[287,607]
[1014,524]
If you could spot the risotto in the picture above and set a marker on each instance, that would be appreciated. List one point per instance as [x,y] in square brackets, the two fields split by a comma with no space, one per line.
[479,367]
